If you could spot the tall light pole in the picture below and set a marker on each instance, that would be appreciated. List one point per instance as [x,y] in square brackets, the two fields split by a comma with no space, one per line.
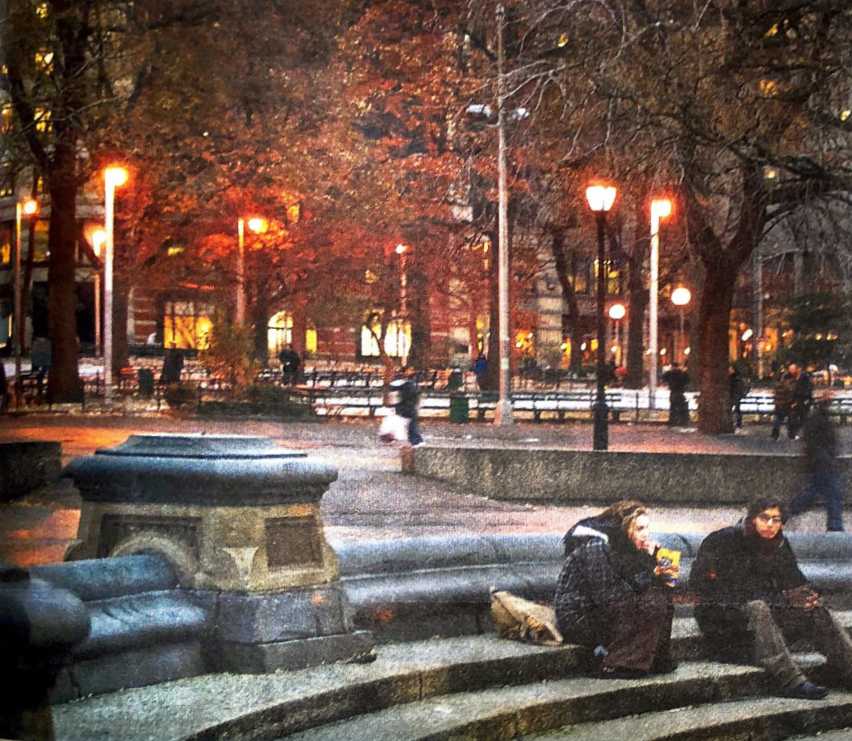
[30,209]
[401,339]
[98,241]
[503,410]
[600,199]
[258,225]
[681,297]
[114,177]
[661,208]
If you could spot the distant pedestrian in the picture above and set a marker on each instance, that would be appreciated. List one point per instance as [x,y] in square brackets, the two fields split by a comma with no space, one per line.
[793,396]
[677,380]
[480,369]
[407,402]
[737,388]
[823,473]
[172,366]
[290,362]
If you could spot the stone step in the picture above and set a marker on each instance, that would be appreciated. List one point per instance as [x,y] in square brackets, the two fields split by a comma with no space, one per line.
[841,734]
[509,712]
[269,705]
[767,718]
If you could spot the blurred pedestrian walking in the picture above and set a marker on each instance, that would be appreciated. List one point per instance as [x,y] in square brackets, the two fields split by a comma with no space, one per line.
[823,473]
[407,402]
[738,387]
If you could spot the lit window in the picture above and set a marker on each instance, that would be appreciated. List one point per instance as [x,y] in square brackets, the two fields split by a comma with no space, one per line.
[279,333]
[769,88]
[42,10]
[397,339]
[294,213]
[175,249]
[187,324]
[5,251]
[310,340]
[6,119]
[44,60]
[844,115]
[42,120]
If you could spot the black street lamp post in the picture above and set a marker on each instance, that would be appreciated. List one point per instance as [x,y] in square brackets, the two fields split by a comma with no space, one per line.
[600,200]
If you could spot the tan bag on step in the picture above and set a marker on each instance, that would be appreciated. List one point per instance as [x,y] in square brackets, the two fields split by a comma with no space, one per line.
[521,620]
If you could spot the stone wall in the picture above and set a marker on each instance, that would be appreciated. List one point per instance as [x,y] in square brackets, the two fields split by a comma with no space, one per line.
[531,474]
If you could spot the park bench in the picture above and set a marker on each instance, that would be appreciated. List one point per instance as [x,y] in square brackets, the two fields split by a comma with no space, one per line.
[551,403]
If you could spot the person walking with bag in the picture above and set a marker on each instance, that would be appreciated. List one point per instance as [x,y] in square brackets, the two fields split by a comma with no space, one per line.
[752,599]
[407,403]
[612,596]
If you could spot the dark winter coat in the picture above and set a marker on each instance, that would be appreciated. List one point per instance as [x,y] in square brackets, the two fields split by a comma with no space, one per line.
[601,568]
[408,397]
[734,567]
[820,441]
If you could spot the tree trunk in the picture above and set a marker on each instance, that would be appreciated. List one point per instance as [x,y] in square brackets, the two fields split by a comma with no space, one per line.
[571,317]
[638,301]
[713,320]
[120,301]
[419,317]
[492,373]
[260,322]
[63,379]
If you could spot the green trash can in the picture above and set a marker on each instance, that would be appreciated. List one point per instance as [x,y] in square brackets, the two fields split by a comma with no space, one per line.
[459,408]
[146,383]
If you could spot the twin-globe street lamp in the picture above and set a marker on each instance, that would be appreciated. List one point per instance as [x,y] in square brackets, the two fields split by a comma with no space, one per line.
[27,208]
[600,199]
[114,177]
[258,225]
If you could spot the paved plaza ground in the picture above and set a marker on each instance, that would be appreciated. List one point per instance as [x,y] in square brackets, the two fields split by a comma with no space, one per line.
[372,498]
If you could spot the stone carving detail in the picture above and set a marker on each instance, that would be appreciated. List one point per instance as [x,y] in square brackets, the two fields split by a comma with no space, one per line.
[117,528]
[243,559]
[293,541]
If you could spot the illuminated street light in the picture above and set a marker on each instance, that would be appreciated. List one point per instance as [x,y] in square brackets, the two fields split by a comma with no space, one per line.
[114,177]
[681,297]
[600,199]
[661,208]
[27,208]
[258,225]
[617,312]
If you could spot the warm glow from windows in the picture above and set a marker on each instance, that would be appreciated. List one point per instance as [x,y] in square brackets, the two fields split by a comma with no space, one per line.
[44,60]
[98,240]
[769,88]
[42,119]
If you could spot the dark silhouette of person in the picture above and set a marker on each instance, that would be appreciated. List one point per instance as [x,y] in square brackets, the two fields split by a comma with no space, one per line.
[737,389]
[408,400]
[677,380]
[480,369]
[172,366]
[290,362]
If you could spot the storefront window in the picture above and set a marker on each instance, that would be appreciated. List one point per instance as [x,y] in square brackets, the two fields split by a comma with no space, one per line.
[187,325]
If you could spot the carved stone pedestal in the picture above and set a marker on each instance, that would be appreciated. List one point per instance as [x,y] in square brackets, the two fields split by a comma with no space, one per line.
[239,518]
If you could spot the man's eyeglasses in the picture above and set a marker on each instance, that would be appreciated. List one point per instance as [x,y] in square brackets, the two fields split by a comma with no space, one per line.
[770,520]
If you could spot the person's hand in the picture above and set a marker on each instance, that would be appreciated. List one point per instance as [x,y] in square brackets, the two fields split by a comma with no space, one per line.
[669,572]
[803,597]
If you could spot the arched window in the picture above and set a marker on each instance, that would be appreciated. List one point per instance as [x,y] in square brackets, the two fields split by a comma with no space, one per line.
[279,333]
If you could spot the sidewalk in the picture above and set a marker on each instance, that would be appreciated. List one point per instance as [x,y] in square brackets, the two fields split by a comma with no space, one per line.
[372,498]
